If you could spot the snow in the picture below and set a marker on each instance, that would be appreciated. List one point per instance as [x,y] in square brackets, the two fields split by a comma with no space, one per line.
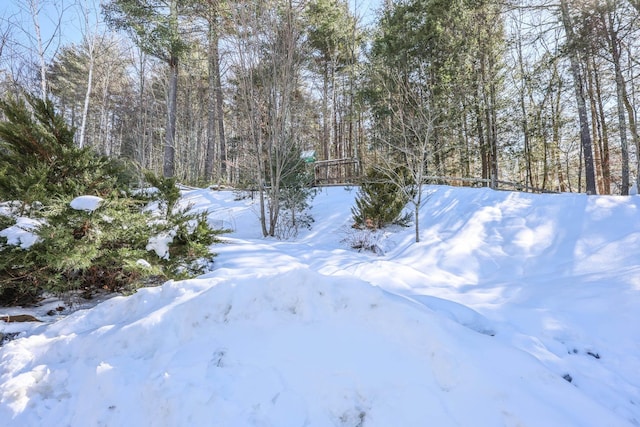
[86,203]
[22,232]
[144,263]
[160,243]
[507,297]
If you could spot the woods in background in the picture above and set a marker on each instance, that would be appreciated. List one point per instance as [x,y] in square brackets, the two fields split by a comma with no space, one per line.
[539,93]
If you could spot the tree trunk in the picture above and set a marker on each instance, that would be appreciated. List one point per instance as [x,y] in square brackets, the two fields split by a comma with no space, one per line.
[168,167]
[525,121]
[211,104]
[87,95]
[90,41]
[585,136]
[34,6]
[604,145]
[215,119]
[335,142]
[556,118]
[143,152]
[620,97]
[326,144]
[417,218]
[484,155]
[596,125]
[222,141]
[493,123]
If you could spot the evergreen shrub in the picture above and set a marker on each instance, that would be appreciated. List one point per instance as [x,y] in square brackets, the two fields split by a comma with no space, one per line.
[296,195]
[108,248]
[379,202]
[39,161]
[191,234]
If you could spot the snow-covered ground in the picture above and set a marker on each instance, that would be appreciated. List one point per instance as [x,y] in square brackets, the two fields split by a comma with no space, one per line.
[514,310]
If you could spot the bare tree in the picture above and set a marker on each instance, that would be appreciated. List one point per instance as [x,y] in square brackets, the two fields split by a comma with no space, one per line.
[34,7]
[45,44]
[92,39]
[409,145]
[268,68]
[5,34]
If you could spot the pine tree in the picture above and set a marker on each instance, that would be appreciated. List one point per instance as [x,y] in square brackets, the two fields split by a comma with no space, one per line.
[379,202]
[38,159]
[76,250]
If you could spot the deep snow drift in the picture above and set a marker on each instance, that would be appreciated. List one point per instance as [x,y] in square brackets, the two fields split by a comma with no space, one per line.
[515,309]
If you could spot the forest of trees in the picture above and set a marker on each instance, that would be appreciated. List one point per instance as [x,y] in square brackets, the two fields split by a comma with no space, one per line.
[542,93]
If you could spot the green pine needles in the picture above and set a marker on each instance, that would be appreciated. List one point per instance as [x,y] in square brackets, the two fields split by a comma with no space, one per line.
[110,248]
[379,202]
[39,161]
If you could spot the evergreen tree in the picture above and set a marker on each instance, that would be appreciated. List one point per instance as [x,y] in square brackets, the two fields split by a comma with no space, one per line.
[38,159]
[108,248]
[295,197]
[379,202]
[450,50]
[331,37]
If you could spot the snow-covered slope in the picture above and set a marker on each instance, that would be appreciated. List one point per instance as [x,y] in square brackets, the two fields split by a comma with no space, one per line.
[514,309]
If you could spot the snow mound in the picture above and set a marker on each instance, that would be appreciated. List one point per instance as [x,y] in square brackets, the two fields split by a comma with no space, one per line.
[291,349]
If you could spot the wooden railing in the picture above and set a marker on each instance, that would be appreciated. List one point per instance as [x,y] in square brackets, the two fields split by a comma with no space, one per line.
[322,180]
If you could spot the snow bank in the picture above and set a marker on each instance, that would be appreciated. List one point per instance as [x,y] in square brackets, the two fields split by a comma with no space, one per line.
[286,350]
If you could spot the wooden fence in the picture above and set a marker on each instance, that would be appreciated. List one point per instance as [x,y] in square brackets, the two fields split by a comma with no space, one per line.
[346,172]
